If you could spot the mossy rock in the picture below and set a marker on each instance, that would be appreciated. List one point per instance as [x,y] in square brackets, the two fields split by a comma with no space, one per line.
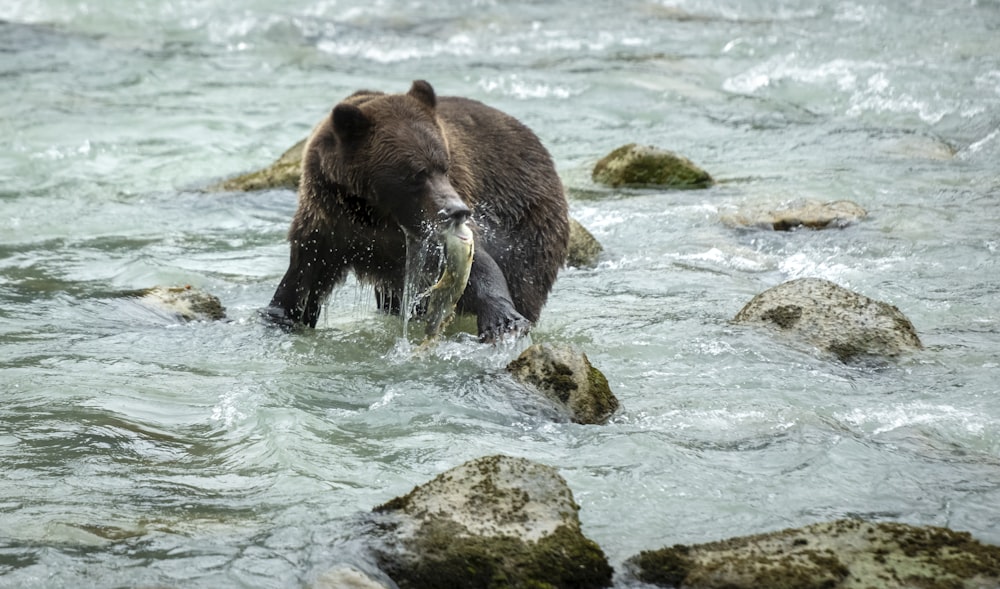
[808,213]
[491,523]
[843,554]
[646,166]
[584,249]
[185,303]
[839,321]
[283,173]
[566,377]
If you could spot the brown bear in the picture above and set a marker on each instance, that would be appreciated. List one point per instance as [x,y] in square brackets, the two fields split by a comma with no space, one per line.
[385,170]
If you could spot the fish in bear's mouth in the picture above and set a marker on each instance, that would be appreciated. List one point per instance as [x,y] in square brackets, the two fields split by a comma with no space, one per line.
[459,247]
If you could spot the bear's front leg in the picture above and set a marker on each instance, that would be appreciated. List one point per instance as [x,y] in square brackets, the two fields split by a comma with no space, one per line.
[314,269]
[488,296]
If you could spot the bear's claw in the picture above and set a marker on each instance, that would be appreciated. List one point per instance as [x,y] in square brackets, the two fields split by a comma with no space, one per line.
[513,326]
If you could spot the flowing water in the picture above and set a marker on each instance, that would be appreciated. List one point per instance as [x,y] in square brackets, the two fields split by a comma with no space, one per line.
[139,451]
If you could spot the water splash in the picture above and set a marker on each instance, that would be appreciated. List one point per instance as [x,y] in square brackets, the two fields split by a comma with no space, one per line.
[422,254]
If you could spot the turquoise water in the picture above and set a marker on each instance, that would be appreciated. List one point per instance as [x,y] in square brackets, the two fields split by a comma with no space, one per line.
[136,450]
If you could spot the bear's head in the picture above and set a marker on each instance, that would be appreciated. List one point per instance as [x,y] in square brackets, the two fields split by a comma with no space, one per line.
[392,152]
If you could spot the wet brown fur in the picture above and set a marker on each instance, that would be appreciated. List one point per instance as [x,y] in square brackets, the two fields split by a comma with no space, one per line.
[383,163]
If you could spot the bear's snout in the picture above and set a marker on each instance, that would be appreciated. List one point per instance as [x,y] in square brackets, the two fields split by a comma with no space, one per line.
[455,212]
[448,205]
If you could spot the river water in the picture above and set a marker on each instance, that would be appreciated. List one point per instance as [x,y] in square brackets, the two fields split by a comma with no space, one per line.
[137,450]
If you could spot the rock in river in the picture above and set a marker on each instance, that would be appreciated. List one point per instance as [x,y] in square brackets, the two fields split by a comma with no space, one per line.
[642,166]
[566,377]
[185,303]
[834,319]
[492,522]
[844,554]
[283,173]
[584,249]
[809,213]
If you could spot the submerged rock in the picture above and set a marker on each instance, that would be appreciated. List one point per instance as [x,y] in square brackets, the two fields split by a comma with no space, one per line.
[834,319]
[283,173]
[348,577]
[492,522]
[584,249]
[182,302]
[636,165]
[809,213]
[844,554]
[917,146]
[567,377]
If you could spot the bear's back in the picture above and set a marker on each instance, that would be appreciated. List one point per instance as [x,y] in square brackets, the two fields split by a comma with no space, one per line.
[496,156]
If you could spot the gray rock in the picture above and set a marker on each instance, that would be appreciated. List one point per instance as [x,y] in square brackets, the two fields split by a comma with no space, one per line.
[566,377]
[647,166]
[348,577]
[832,318]
[584,249]
[809,213]
[844,554]
[283,173]
[492,522]
[182,302]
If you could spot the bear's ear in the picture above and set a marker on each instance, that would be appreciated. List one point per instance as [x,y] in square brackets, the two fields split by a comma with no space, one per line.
[423,92]
[349,123]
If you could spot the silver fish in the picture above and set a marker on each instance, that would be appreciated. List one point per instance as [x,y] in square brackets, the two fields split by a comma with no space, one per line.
[459,250]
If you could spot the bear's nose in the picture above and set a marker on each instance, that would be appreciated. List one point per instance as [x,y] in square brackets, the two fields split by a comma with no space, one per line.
[456,212]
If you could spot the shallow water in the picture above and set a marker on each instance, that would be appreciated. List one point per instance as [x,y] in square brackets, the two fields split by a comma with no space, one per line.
[139,451]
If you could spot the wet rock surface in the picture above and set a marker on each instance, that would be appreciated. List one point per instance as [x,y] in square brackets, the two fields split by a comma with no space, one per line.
[347,577]
[492,522]
[843,554]
[185,303]
[566,376]
[283,173]
[584,249]
[636,165]
[807,213]
[836,320]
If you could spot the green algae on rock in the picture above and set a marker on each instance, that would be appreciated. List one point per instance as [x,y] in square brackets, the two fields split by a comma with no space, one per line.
[567,377]
[283,173]
[584,249]
[836,320]
[493,522]
[843,554]
[647,166]
[808,213]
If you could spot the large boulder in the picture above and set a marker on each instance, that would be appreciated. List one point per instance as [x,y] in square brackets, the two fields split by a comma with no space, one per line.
[566,377]
[492,522]
[646,166]
[844,554]
[809,213]
[832,318]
